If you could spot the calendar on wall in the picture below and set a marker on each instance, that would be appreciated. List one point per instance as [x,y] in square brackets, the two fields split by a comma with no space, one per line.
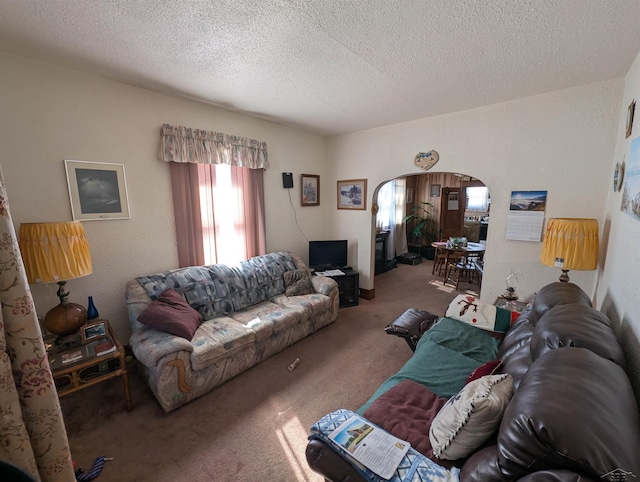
[526,215]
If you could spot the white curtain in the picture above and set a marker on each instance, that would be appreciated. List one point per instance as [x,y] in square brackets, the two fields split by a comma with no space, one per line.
[391,212]
[477,199]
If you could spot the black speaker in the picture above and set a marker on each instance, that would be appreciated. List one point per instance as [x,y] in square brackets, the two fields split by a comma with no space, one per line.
[287,180]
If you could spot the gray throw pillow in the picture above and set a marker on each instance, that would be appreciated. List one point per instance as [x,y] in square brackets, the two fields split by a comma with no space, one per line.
[298,282]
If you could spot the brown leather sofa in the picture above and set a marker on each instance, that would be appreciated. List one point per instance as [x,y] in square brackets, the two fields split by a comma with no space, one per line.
[573,415]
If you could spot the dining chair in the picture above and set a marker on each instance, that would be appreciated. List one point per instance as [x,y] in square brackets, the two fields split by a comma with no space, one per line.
[463,268]
[439,260]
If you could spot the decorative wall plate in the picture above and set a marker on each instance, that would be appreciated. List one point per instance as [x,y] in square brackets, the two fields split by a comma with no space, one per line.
[426,160]
[618,176]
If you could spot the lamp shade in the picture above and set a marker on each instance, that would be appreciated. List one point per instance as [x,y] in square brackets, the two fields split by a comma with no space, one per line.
[54,251]
[571,243]
[57,252]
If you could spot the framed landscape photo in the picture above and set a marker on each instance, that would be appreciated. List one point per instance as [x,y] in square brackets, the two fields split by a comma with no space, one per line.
[97,190]
[310,190]
[352,194]
[91,331]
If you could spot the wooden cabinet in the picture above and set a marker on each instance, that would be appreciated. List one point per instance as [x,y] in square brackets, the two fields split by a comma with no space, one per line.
[348,286]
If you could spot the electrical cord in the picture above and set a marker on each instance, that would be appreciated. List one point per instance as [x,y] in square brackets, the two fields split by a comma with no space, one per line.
[295,215]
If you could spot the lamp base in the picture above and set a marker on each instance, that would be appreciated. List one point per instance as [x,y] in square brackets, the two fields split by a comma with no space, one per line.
[65,319]
[564,277]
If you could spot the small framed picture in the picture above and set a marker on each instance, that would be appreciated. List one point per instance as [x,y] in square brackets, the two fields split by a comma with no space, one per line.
[310,190]
[409,195]
[352,194]
[97,190]
[435,190]
[92,331]
[630,111]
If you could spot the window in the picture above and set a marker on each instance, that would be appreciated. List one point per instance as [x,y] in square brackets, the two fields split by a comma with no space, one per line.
[478,199]
[218,194]
[219,213]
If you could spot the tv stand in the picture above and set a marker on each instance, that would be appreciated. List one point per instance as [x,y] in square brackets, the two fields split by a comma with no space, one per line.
[348,286]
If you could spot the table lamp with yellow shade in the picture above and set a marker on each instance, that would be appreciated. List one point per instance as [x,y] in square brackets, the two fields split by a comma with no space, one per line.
[570,243]
[57,252]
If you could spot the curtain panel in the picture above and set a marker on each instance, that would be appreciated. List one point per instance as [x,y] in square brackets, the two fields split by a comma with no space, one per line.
[195,146]
[31,425]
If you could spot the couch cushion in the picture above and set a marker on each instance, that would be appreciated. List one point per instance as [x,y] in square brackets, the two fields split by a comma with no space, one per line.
[515,350]
[310,305]
[170,313]
[297,282]
[573,410]
[470,417]
[267,318]
[579,326]
[557,293]
[220,289]
[217,338]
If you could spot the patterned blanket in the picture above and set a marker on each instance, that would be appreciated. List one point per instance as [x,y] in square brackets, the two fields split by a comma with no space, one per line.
[414,467]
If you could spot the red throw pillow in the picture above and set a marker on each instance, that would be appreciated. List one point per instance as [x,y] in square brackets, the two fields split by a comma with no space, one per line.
[489,368]
[171,313]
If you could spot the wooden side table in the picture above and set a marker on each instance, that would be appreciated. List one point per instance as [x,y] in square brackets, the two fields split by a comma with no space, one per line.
[89,369]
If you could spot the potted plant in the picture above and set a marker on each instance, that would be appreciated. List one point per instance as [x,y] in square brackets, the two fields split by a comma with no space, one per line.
[423,227]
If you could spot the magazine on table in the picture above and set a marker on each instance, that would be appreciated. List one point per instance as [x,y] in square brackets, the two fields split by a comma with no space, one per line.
[71,356]
[373,447]
[330,272]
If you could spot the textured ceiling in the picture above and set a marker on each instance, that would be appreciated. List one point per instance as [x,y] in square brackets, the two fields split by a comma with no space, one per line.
[333,66]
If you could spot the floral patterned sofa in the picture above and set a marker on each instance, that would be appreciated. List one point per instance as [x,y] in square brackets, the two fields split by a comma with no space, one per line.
[247,317]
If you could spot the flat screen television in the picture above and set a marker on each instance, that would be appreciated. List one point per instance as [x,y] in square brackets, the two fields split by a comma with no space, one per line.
[327,254]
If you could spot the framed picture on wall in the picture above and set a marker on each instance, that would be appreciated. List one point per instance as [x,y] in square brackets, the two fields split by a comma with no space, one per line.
[630,111]
[435,190]
[409,195]
[310,190]
[97,190]
[352,194]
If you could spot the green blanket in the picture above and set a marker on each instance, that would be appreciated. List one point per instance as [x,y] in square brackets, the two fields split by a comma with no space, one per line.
[445,356]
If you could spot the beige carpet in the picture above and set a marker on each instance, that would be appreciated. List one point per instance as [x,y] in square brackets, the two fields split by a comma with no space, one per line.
[254,427]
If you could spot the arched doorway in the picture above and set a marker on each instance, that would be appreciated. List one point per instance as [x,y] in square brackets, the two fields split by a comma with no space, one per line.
[419,209]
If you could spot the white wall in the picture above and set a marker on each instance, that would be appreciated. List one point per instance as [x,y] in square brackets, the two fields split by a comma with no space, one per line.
[617,294]
[561,142]
[51,114]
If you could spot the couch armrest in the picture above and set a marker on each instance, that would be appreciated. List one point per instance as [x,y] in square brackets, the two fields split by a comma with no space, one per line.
[411,325]
[324,285]
[151,345]
[328,463]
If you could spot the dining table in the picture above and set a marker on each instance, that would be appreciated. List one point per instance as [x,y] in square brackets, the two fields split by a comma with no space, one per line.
[451,252]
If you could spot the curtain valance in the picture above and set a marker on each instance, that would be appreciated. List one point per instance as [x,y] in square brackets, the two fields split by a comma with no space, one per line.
[195,146]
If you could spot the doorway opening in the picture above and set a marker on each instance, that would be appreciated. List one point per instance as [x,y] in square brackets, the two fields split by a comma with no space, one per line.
[415,211]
